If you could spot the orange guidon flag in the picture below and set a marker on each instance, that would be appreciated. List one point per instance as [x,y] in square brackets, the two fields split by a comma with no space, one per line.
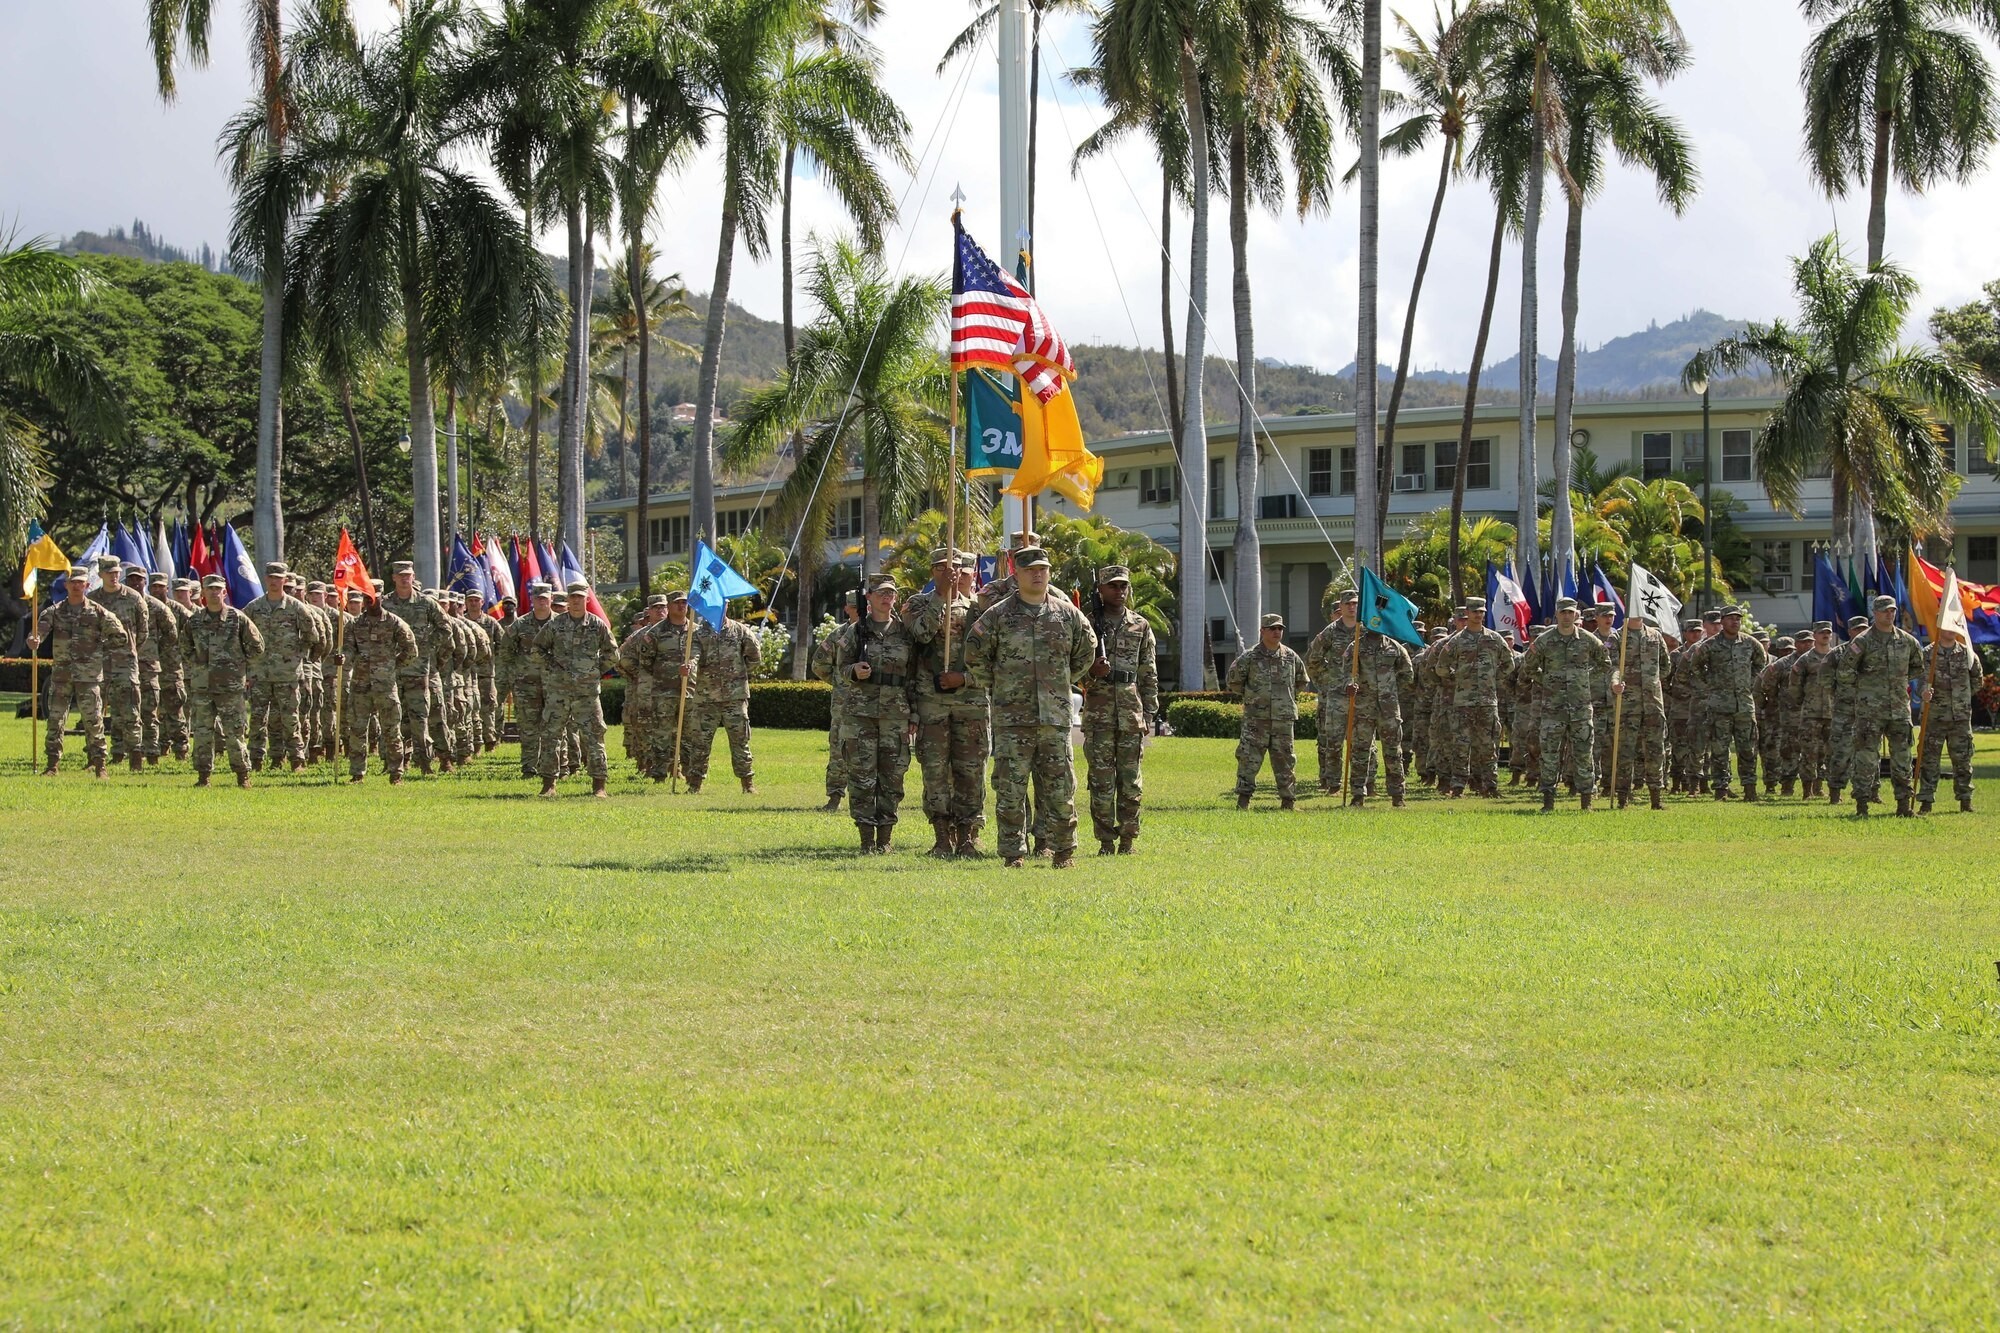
[348,571]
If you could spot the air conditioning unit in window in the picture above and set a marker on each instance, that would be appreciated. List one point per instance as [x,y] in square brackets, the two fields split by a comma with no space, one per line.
[1410,481]
[1777,583]
[1278,506]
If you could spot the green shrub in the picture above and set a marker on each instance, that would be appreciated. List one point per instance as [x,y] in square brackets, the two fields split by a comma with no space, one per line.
[611,694]
[794,705]
[1220,719]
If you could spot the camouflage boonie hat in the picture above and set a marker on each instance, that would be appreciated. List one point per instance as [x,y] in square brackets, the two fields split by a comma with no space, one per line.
[1819,625]
[214,581]
[1883,602]
[1272,620]
[1030,557]
[403,567]
[1114,574]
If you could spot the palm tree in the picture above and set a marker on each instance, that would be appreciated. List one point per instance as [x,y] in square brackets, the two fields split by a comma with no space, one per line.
[1649,519]
[413,242]
[1434,558]
[1894,87]
[1279,113]
[43,364]
[1855,403]
[743,78]
[177,27]
[1607,107]
[866,388]
[1367,463]
[1143,45]
[1588,478]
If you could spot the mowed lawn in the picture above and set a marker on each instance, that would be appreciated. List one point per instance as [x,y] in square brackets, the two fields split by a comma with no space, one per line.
[447,1055]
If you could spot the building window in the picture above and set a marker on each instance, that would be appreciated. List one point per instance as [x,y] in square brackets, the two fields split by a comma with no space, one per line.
[1218,566]
[847,519]
[1156,485]
[1694,452]
[1736,455]
[1413,462]
[1278,506]
[1479,466]
[736,522]
[1656,454]
[1347,472]
[1776,558]
[1445,454]
[1982,559]
[1319,472]
[667,536]
[1948,447]
[1975,454]
[1218,494]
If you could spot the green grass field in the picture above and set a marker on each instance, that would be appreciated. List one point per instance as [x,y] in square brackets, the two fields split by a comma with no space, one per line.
[446,1055]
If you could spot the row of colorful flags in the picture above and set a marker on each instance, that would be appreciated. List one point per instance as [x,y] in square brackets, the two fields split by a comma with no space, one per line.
[1514,602]
[1841,588]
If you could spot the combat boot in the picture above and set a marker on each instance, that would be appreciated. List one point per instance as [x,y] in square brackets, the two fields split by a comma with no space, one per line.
[968,840]
[1833,795]
[1785,789]
[1861,807]
[1107,846]
[1013,863]
[1039,848]
[1359,798]
[1903,810]
[138,764]
[1659,801]
[867,832]
[201,778]
[1624,797]
[395,777]
[1750,793]
[1395,800]
[597,789]
[1965,805]
[444,763]
[353,778]
[832,802]
[1723,793]
[297,763]
[1513,779]
[1288,803]
[883,833]
[946,842]
[256,759]
[749,787]
[1923,807]
[1063,861]
[243,778]
[694,785]
[97,773]
[1125,839]
[1548,800]
[1583,801]
[1242,801]
[548,787]
[152,761]
[180,750]
[51,767]
[424,767]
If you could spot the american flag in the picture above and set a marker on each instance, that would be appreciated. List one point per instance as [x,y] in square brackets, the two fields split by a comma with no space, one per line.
[995,322]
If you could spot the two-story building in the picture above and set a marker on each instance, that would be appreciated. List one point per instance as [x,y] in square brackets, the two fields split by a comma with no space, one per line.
[1306,508]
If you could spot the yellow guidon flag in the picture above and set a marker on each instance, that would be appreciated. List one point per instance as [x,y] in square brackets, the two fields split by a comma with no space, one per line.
[43,553]
[1053,456]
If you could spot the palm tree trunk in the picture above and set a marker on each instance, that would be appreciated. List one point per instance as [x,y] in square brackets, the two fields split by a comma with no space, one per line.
[802,628]
[642,564]
[1526,479]
[1562,521]
[534,408]
[268,527]
[576,422]
[450,462]
[1860,532]
[1368,458]
[624,401]
[785,255]
[871,525]
[1472,401]
[702,511]
[1247,553]
[1409,334]
[360,473]
[1193,446]
[423,440]
[566,402]
[1167,302]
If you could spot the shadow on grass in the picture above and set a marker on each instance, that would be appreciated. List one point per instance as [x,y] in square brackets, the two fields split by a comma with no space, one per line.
[718,863]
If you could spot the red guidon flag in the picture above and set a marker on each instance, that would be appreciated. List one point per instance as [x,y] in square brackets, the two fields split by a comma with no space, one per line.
[349,572]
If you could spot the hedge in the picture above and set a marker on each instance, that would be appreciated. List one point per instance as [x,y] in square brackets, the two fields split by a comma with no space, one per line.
[1221,720]
[792,705]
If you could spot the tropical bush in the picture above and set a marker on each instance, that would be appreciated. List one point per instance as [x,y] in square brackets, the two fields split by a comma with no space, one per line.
[791,705]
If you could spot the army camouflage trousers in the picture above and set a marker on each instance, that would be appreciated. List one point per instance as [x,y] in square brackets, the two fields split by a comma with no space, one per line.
[1261,736]
[1815,745]
[1840,752]
[529,705]
[489,707]
[220,719]
[1774,752]
[1040,755]
[836,763]
[876,754]
[951,750]
[89,702]
[376,703]
[121,709]
[1957,733]
[413,690]
[1739,729]
[637,741]
[703,718]
[173,711]
[1370,727]
[1642,745]
[274,719]
[1869,733]
[1472,745]
[664,731]
[1113,747]
[149,709]
[574,708]
[1574,730]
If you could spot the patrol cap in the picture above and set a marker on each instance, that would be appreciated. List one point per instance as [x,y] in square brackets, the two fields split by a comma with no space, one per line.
[1348,595]
[315,586]
[160,578]
[1729,611]
[1711,617]
[403,567]
[1565,603]
[881,583]
[1023,539]
[1856,622]
[1819,625]
[79,572]
[1690,624]
[275,568]
[215,581]
[1803,636]
[1883,602]
[849,598]
[105,562]
[1030,557]
[377,584]
[680,595]
[540,589]
[186,583]
[942,555]
[1272,620]
[657,599]
[1475,606]
[133,571]
[1114,574]
[575,586]
[1440,634]
[968,560]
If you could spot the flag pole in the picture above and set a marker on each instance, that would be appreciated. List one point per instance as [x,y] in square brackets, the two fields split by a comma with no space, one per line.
[339,686]
[1618,703]
[680,717]
[1347,745]
[34,672]
[950,593]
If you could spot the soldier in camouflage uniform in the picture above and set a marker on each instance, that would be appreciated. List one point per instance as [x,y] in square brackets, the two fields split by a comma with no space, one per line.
[147,654]
[413,682]
[576,650]
[1948,691]
[639,685]
[1773,734]
[836,766]
[1026,653]
[1887,660]
[325,599]
[485,673]
[523,668]
[172,710]
[1598,620]
[1478,663]
[80,634]
[1270,678]
[1727,665]
[1840,743]
[1329,662]
[377,648]
[952,737]
[1432,691]
[1566,665]
[875,659]
[1684,758]
[1812,675]
[309,668]
[666,652]
[1640,688]
[720,697]
[121,663]
[1121,696]
[290,632]
[1527,738]
[221,646]
[1375,692]
[174,728]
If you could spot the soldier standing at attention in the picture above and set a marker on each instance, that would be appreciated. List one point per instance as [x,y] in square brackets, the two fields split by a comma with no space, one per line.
[951,711]
[1121,696]
[1949,694]
[1887,660]
[523,667]
[1841,734]
[836,771]
[639,685]
[222,643]
[184,599]
[720,697]
[1270,677]
[1566,664]
[146,652]
[172,714]
[1641,695]
[81,634]
[486,674]
[1436,707]
[1478,663]
[664,656]
[289,633]
[121,662]
[1026,653]
[1598,620]
[413,687]
[576,650]
[1376,691]
[876,657]
[312,682]
[1527,734]
[1772,739]
[1728,665]
[1329,658]
[1682,758]
[378,647]
[1812,672]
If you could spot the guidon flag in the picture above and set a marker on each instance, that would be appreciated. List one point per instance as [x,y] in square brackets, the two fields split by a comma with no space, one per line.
[995,322]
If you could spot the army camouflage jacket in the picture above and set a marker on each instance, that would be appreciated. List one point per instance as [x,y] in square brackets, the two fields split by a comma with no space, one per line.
[1566,668]
[1727,670]
[891,653]
[1270,681]
[1027,657]
[133,611]
[220,647]
[378,648]
[289,629]
[1956,681]
[1477,662]
[1330,660]
[655,654]
[426,620]
[1812,675]
[1132,690]
[575,650]
[924,614]
[489,654]
[1771,687]
[729,657]
[1649,666]
[81,637]
[169,617]
[518,657]
[1885,662]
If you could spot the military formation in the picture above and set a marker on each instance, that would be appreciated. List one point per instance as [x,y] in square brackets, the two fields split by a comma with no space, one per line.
[968,680]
